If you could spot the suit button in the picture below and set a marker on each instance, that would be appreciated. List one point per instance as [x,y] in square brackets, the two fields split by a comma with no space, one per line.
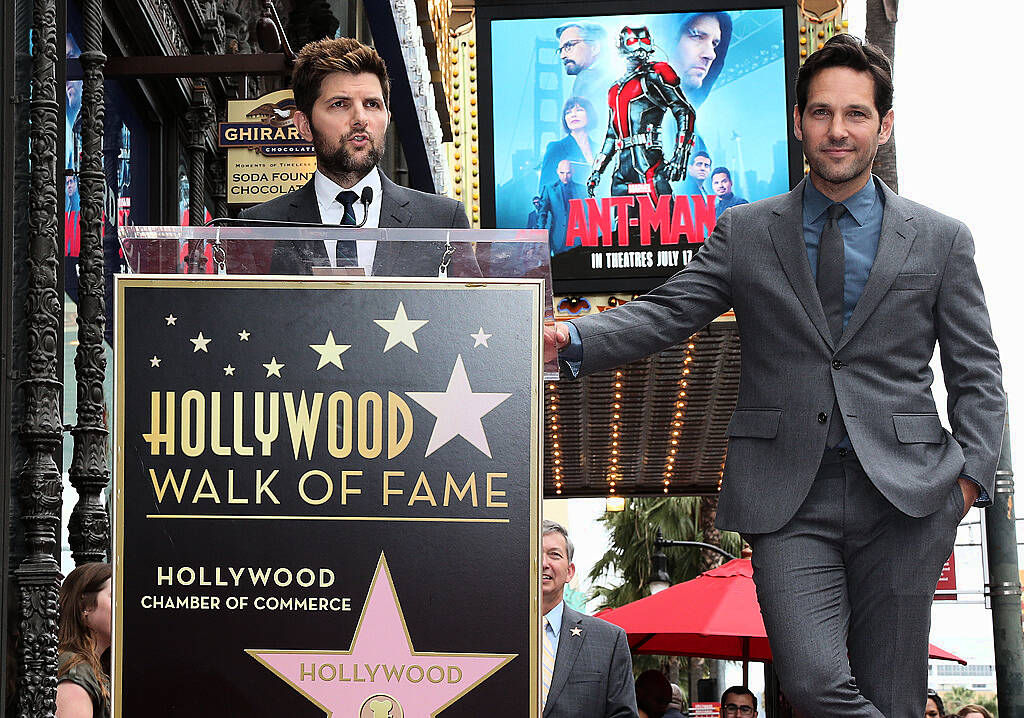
[836,364]
[822,417]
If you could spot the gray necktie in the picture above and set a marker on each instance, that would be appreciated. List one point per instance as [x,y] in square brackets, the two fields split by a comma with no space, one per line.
[831,282]
[345,250]
[832,271]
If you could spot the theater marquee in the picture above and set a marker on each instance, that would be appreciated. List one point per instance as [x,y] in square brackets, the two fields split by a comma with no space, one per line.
[327,497]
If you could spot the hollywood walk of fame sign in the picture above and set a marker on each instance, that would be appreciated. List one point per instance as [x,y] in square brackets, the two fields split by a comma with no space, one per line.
[327,497]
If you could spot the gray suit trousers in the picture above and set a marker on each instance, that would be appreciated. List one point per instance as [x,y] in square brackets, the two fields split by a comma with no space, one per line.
[846,591]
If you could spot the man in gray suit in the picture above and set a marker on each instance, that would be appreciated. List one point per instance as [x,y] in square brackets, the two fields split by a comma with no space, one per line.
[342,92]
[592,672]
[839,473]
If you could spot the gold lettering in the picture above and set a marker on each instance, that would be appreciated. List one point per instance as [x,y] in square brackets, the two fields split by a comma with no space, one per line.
[179,491]
[343,398]
[370,446]
[388,491]
[193,401]
[345,490]
[303,420]
[237,444]
[396,407]
[327,493]
[231,490]
[428,495]
[156,437]
[469,486]
[263,487]
[210,492]
[268,437]
[493,493]
[215,445]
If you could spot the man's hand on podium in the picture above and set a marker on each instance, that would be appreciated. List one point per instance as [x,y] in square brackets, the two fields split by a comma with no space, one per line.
[556,336]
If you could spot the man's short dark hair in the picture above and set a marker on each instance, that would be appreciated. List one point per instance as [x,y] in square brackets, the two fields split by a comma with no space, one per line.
[319,59]
[590,32]
[740,691]
[848,51]
[721,171]
[553,527]
[699,153]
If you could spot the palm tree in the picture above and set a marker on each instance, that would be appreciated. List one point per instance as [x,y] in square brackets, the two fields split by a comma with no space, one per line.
[627,562]
[881,30]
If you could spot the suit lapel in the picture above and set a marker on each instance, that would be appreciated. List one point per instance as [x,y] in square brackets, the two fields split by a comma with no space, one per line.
[568,649]
[304,207]
[393,210]
[894,242]
[787,232]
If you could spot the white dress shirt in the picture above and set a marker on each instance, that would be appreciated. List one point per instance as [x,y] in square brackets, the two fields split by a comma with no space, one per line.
[332,212]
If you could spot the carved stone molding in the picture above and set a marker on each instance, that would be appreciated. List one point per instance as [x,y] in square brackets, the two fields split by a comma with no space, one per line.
[38,479]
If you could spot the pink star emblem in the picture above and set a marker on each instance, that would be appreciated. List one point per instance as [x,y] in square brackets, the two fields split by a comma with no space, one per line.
[381,674]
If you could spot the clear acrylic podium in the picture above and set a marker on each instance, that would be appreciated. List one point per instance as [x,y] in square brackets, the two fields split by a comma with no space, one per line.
[303,250]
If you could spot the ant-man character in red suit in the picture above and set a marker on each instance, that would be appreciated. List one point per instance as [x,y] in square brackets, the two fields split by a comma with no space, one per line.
[637,103]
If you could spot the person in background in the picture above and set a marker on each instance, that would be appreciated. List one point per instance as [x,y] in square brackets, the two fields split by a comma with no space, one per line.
[675,706]
[83,669]
[933,707]
[738,702]
[721,184]
[653,694]
[578,117]
[973,710]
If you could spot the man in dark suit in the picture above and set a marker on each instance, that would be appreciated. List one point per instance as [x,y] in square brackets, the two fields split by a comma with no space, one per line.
[554,205]
[342,92]
[586,667]
[839,472]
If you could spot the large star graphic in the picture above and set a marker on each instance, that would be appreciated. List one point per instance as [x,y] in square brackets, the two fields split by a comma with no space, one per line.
[384,665]
[330,352]
[200,343]
[400,329]
[458,410]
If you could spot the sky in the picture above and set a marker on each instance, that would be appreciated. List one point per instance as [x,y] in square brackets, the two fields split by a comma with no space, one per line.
[956,151]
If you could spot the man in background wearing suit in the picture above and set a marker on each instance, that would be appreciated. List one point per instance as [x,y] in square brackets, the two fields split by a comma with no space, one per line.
[586,667]
[342,92]
[839,473]
[554,205]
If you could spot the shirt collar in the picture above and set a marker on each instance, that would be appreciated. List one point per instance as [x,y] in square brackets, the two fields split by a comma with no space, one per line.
[860,205]
[554,617]
[327,190]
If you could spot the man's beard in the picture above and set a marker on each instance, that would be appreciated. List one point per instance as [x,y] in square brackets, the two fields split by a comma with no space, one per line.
[572,67]
[839,175]
[340,161]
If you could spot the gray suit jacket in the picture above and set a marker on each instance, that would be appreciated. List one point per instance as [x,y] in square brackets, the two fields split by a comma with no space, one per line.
[923,287]
[593,676]
[400,207]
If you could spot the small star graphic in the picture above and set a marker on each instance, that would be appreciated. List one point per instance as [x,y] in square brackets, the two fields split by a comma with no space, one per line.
[480,339]
[170,319]
[330,353]
[229,370]
[200,343]
[458,410]
[576,631]
[381,637]
[400,329]
[155,361]
[273,368]
[243,336]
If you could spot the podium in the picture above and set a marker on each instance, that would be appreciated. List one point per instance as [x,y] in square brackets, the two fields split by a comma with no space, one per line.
[327,486]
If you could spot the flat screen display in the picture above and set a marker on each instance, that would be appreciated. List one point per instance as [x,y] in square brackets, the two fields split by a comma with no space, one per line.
[627,135]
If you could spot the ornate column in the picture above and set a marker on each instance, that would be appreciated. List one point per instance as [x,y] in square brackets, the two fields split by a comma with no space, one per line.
[198,119]
[89,528]
[38,479]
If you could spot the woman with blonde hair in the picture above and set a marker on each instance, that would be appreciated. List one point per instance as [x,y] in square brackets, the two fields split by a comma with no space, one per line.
[83,678]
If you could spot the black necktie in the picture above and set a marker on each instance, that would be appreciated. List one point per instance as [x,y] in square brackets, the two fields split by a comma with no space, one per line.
[831,282]
[345,250]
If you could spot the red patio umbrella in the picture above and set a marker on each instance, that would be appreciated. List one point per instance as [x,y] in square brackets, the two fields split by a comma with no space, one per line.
[715,615]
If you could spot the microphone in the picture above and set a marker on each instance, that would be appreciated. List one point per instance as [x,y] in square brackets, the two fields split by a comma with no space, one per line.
[365,198]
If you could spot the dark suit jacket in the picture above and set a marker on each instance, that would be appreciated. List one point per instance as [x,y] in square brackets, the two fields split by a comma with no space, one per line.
[923,287]
[400,207]
[593,676]
[557,211]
